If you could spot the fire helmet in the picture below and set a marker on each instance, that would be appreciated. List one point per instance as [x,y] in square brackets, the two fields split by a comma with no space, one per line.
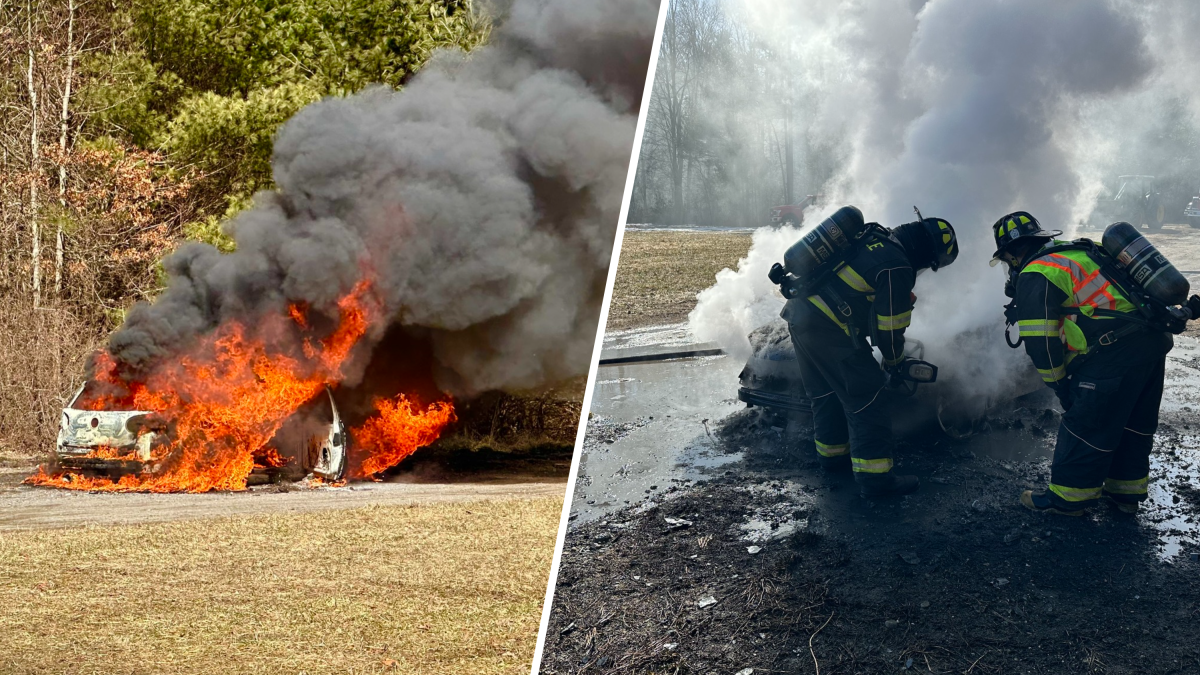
[1017,226]
[930,243]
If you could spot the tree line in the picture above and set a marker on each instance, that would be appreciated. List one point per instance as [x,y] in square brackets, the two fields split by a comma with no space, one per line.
[727,134]
[130,126]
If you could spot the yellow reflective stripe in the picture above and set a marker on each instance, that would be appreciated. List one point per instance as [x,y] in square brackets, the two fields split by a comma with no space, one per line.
[894,322]
[1038,328]
[1126,487]
[1054,374]
[893,362]
[816,300]
[883,465]
[833,450]
[1071,494]
[854,280]
[1024,219]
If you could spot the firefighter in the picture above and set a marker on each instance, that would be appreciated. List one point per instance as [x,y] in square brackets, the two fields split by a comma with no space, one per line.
[870,297]
[1107,373]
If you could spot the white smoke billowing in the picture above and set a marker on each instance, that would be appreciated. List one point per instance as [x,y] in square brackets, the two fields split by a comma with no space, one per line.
[969,110]
[483,197]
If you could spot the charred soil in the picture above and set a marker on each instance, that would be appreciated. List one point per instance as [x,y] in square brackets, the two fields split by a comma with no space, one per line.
[777,566]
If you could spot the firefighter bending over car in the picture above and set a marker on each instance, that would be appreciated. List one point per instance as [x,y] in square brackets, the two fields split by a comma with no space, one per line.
[1096,321]
[847,281]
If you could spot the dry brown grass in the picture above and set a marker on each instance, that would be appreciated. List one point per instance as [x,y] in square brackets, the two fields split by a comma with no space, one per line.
[660,274]
[429,589]
[42,354]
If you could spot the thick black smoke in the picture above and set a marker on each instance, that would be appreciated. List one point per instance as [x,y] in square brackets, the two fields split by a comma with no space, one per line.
[484,197]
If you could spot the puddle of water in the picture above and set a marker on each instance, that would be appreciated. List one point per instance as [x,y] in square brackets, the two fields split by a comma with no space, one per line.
[1183,377]
[1179,532]
[678,401]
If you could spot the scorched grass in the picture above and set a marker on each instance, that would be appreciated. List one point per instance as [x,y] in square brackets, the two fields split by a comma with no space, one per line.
[427,589]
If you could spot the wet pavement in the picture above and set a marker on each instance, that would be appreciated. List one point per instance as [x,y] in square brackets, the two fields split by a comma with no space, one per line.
[651,423]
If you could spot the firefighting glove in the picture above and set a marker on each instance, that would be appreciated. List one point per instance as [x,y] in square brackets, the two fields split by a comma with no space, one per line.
[1010,313]
[1193,305]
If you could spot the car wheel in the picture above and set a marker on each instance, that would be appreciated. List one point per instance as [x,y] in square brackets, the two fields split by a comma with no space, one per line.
[1194,222]
[791,220]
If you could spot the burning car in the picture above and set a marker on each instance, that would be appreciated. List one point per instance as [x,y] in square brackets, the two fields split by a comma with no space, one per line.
[115,443]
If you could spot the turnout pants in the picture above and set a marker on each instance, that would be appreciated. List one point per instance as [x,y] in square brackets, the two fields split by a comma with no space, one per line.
[850,412]
[1105,439]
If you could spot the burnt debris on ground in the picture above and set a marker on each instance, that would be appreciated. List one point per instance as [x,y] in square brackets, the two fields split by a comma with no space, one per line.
[777,566]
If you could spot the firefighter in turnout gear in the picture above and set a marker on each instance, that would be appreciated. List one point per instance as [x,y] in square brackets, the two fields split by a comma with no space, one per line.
[869,298]
[1106,371]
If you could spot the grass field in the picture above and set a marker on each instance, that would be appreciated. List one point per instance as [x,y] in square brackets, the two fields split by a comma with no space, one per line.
[429,589]
[660,274]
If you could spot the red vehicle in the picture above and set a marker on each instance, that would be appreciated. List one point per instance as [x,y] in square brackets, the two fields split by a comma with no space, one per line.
[1193,212]
[792,214]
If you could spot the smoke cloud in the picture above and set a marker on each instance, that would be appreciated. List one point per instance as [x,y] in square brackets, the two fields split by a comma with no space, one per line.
[969,110]
[483,199]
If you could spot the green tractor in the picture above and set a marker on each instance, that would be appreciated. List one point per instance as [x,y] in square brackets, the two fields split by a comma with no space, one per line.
[1137,201]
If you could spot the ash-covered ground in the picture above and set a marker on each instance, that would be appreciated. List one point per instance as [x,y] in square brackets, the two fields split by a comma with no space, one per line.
[705,538]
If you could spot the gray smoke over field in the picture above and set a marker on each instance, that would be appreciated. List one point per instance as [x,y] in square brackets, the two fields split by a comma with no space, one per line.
[483,198]
[970,110]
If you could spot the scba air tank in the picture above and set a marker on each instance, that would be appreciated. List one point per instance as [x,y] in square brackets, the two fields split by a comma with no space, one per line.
[1149,269]
[827,242]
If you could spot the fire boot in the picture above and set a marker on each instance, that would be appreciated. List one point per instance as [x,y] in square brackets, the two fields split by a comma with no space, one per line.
[887,485]
[1120,504]
[1041,503]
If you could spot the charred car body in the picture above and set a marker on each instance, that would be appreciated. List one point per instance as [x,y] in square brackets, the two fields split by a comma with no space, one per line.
[771,380]
[118,442]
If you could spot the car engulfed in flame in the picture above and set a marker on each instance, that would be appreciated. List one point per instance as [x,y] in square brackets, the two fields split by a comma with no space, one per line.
[119,442]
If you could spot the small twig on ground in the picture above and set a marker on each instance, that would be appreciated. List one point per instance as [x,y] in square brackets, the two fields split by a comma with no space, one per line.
[816,663]
[968,670]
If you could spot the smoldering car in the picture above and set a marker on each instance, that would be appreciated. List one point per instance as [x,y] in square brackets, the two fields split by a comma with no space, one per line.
[771,380]
[118,442]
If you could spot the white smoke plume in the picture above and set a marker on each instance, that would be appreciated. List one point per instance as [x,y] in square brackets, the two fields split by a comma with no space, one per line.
[969,110]
[484,197]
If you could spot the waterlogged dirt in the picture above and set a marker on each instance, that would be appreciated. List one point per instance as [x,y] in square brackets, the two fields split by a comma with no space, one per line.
[769,563]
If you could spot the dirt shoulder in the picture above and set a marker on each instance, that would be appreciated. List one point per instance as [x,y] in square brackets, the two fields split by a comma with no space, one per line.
[29,508]
[958,578]
[661,272]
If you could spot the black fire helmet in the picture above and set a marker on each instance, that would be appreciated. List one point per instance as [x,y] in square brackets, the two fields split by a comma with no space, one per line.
[1017,226]
[929,243]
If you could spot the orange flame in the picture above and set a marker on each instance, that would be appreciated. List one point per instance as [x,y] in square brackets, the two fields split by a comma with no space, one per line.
[397,432]
[225,399]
